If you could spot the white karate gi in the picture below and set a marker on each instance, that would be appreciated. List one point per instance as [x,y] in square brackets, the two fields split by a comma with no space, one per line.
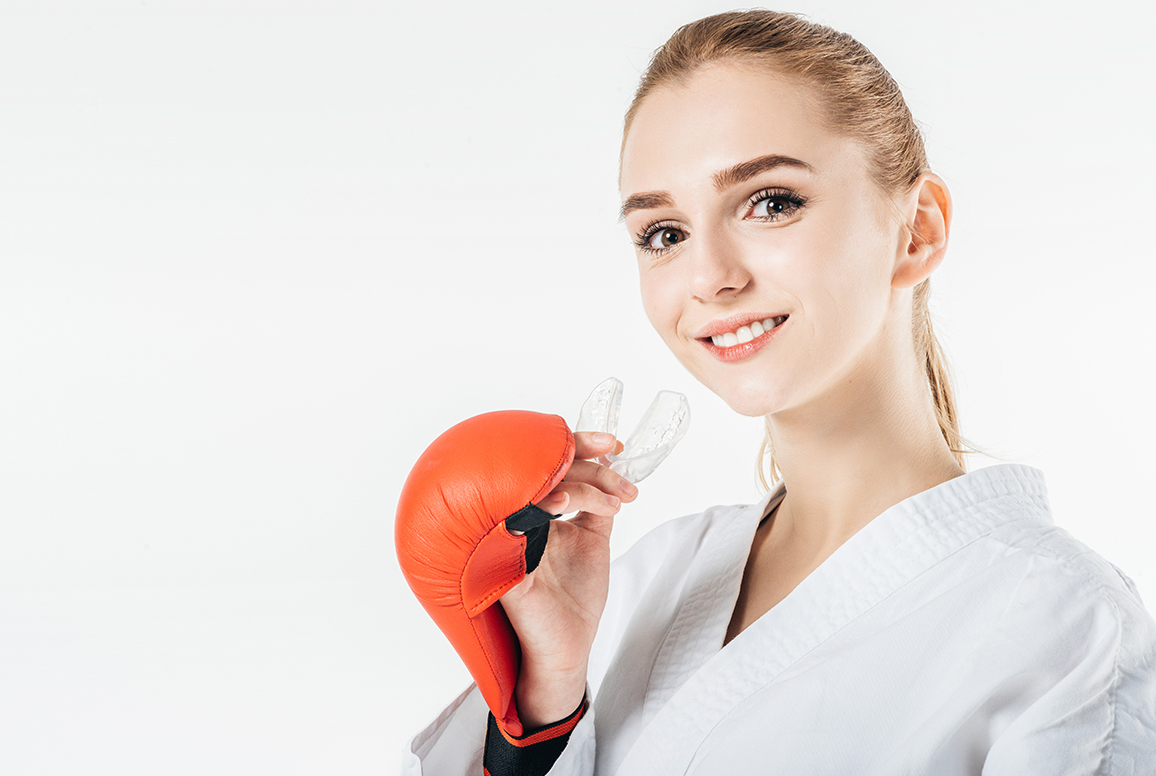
[959,632]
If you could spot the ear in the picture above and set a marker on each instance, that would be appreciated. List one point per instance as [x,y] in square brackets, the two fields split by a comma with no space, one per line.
[927,213]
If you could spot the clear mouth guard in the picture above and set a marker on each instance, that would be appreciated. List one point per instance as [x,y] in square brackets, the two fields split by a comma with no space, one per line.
[661,428]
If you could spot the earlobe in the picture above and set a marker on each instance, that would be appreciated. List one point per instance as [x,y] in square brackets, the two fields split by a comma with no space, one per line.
[927,211]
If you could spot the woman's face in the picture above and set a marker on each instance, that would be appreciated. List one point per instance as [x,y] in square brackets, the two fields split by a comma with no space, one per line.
[746,210]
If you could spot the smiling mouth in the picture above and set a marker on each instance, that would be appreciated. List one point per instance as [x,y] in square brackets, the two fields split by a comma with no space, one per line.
[745,334]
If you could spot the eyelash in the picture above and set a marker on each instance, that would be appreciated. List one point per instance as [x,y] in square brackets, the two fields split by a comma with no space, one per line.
[643,239]
[793,200]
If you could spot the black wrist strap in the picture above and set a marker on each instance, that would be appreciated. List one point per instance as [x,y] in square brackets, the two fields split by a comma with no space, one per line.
[531,754]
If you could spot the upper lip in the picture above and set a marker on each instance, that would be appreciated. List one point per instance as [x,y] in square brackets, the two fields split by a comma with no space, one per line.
[733,323]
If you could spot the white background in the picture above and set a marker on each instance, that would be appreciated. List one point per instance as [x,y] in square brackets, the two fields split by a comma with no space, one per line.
[254,256]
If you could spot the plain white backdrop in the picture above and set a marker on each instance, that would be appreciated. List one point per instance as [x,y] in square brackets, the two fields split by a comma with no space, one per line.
[255,256]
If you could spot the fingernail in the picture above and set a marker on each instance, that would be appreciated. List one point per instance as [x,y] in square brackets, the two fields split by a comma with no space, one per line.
[602,438]
[627,487]
[612,500]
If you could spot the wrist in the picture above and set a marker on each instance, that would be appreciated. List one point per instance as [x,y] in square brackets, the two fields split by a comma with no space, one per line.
[543,698]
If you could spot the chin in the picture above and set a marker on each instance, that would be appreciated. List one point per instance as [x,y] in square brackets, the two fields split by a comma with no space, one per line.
[750,406]
[748,392]
[755,399]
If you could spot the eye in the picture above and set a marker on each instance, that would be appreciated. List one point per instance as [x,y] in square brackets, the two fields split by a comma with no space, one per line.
[774,204]
[660,237]
[664,238]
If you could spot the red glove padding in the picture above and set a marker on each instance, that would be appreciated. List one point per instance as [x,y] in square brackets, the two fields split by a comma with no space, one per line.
[474,482]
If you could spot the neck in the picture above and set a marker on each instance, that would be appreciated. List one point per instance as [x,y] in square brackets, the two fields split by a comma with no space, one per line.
[863,446]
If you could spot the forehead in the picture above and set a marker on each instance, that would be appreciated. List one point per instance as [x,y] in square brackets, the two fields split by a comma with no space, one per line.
[724,115]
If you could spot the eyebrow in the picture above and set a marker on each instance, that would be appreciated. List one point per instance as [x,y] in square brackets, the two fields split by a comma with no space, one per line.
[744,171]
[723,180]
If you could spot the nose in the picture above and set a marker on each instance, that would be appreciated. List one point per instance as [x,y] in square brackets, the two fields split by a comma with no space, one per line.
[717,269]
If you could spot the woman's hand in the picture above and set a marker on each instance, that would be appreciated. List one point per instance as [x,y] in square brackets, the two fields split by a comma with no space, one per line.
[555,610]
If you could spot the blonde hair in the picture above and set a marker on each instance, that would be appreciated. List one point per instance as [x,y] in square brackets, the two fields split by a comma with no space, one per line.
[861,101]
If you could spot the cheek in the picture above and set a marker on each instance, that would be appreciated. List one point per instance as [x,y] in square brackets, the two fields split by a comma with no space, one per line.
[661,300]
[852,283]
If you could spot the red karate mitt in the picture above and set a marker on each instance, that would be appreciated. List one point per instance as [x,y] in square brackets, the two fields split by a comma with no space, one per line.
[467,491]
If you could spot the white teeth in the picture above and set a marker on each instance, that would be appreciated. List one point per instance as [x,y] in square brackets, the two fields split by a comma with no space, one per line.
[746,333]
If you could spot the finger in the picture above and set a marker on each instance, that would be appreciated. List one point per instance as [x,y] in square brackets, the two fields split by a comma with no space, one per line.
[603,478]
[591,444]
[555,502]
[578,496]
[591,522]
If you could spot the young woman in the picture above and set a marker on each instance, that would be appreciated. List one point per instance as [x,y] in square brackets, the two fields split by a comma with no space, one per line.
[881,611]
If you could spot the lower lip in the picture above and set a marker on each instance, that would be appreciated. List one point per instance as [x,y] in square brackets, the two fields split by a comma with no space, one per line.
[744,350]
